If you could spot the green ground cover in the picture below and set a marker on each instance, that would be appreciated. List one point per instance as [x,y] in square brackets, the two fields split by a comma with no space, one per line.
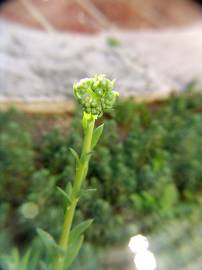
[146,171]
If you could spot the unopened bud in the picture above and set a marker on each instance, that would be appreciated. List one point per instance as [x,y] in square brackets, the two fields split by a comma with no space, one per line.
[95,94]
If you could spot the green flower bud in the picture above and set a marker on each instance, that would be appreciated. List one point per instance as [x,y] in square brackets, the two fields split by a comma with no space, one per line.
[93,104]
[95,94]
[94,111]
[87,109]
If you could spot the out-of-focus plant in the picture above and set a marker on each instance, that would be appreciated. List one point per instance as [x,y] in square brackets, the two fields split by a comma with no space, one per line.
[146,167]
[15,261]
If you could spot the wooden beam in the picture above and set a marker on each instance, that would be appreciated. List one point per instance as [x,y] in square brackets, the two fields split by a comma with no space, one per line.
[37,15]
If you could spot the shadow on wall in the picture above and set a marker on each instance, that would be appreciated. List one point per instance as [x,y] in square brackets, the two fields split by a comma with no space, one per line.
[198,1]
[3,1]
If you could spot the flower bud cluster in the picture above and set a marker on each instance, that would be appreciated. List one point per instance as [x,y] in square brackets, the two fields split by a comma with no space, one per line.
[95,94]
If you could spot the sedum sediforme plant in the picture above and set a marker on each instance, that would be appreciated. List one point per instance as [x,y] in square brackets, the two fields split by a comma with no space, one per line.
[96,96]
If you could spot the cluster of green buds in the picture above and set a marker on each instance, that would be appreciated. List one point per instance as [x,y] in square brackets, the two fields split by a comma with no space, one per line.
[96,94]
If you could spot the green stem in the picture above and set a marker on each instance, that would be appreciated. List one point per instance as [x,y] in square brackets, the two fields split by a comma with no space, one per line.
[79,178]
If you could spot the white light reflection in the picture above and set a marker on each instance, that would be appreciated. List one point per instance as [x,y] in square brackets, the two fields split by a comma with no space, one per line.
[144,259]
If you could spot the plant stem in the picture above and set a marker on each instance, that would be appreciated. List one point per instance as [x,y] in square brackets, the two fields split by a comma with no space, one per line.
[81,172]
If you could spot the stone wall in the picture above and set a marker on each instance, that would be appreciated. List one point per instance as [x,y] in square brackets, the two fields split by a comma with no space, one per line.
[37,66]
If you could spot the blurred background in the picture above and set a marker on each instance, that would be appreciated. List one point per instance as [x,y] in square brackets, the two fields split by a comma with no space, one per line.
[147,168]
[82,16]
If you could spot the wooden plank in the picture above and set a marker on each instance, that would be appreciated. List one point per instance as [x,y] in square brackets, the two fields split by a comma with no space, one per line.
[44,107]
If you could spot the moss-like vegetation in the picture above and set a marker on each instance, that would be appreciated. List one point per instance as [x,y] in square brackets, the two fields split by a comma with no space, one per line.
[146,170]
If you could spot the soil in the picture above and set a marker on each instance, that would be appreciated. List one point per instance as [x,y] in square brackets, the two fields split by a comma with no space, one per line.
[41,124]
[94,15]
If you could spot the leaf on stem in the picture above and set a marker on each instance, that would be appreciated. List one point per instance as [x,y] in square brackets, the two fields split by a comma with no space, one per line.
[79,229]
[73,251]
[86,191]
[90,190]
[46,238]
[69,189]
[96,135]
[49,242]
[64,194]
[75,154]
[86,156]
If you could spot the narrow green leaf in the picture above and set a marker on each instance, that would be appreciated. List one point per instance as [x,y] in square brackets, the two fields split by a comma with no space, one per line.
[46,238]
[90,190]
[79,229]
[86,191]
[86,157]
[64,194]
[96,135]
[89,153]
[35,258]
[73,251]
[43,266]
[69,189]
[24,264]
[75,154]
[61,251]
[14,257]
